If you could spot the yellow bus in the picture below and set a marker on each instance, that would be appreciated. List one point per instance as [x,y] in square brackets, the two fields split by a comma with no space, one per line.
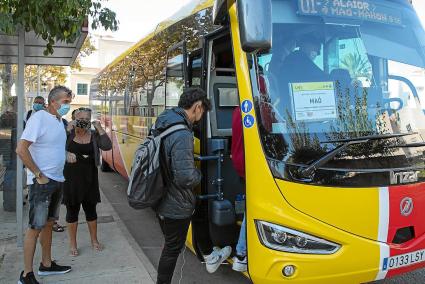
[332,101]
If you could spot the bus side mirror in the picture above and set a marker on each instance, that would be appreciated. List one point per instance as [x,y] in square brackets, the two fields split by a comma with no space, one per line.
[255,25]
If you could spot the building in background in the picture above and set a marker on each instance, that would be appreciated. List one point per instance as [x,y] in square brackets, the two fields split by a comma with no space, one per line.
[107,49]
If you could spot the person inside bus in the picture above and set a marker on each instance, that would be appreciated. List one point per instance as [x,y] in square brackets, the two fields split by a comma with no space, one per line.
[238,159]
[299,66]
[178,205]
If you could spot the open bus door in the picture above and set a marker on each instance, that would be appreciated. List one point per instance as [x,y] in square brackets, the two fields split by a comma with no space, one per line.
[215,222]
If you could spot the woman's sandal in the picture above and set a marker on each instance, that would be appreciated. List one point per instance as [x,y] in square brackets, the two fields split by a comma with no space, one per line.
[73,252]
[97,246]
[58,228]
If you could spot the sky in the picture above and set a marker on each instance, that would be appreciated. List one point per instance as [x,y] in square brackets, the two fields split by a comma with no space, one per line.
[420,9]
[139,17]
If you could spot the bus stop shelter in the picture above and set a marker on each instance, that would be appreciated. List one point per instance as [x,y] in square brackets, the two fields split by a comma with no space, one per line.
[26,48]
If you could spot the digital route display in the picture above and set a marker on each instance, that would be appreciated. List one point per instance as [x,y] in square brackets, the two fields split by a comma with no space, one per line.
[365,10]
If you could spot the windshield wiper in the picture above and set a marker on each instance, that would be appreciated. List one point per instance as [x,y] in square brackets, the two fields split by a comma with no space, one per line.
[311,169]
[410,145]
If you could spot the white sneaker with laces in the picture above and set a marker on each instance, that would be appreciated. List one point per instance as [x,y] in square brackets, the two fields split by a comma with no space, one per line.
[239,265]
[216,258]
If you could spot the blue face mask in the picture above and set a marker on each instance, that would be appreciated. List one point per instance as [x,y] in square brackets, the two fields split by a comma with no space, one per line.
[64,109]
[37,107]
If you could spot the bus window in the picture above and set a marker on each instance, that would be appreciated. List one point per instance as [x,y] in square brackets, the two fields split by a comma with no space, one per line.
[348,55]
[175,76]
[222,87]
[195,71]
[329,83]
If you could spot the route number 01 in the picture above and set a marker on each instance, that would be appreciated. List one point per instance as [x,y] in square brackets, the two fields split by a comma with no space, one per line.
[308,6]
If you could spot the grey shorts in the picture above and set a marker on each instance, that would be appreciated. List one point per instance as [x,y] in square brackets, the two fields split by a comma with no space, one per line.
[45,201]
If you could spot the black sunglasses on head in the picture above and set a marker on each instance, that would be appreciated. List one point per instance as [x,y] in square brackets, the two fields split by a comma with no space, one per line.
[84,109]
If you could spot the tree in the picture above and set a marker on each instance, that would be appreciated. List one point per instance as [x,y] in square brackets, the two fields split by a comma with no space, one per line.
[55,20]
[148,61]
[62,25]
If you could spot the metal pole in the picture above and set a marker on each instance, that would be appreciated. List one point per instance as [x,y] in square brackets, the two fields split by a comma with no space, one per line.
[20,126]
[38,80]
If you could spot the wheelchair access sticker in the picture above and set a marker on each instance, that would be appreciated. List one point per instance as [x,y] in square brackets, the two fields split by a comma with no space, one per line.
[248,121]
[246,106]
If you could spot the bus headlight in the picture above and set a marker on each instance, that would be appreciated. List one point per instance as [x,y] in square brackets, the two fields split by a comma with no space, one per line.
[284,239]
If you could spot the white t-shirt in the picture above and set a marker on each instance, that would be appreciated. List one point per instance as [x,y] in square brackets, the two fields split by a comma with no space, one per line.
[48,136]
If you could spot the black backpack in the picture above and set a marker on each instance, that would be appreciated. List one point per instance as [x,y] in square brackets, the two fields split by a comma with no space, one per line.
[147,184]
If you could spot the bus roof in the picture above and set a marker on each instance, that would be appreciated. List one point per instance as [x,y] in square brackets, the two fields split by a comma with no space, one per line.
[191,8]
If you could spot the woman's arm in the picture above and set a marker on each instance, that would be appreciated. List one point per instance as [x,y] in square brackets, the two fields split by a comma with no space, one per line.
[103,141]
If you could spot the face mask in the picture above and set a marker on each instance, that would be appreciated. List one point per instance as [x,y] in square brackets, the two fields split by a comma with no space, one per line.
[64,109]
[81,123]
[37,107]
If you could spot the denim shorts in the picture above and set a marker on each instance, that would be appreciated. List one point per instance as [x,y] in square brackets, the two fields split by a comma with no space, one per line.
[45,201]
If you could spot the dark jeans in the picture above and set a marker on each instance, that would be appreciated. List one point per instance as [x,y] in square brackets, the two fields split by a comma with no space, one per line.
[175,231]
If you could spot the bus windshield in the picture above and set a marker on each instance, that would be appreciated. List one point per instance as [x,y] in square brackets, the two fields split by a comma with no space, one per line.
[336,72]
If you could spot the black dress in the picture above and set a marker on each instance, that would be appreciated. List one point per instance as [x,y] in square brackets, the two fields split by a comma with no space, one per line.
[81,178]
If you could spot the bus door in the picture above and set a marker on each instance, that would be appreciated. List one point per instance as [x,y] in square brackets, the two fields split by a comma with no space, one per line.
[220,206]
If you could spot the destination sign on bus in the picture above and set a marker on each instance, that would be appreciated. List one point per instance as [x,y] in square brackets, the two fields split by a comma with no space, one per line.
[313,101]
[365,10]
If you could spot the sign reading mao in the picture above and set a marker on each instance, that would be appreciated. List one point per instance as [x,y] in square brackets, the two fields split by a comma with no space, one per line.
[314,101]
[365,10]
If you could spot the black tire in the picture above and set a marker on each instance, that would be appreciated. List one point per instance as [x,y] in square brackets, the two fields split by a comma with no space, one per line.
[104,167]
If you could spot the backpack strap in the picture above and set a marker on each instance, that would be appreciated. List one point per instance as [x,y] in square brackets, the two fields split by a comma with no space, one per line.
[65,123]
[172,129]
[29,113]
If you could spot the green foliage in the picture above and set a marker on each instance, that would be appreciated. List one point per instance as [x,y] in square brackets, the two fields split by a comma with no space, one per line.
[358,66]
[54,20]
[353,121]
[148,61]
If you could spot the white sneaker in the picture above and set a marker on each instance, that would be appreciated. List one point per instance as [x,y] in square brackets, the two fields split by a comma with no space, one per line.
[239,265]
[216,258]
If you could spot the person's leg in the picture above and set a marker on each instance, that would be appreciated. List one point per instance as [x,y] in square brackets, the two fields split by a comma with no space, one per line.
[175,232]
[55,190]
[72,220]
[91,218]
[46,243]
[241,246]
[38,213]
[48,266]
[30,243]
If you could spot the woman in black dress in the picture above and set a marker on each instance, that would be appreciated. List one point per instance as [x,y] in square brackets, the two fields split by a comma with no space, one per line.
[81,186]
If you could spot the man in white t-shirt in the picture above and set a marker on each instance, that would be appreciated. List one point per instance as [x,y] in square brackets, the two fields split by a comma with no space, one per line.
[42,150]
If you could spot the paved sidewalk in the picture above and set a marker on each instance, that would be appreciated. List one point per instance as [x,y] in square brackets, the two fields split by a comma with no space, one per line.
[121,261]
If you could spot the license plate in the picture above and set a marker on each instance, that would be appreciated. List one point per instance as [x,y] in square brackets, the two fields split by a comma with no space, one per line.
[403,260]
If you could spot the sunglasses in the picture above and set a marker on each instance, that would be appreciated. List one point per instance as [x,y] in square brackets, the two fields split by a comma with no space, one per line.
[84,109]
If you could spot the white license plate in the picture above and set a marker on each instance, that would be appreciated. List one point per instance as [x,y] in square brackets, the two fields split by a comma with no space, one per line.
[403,260]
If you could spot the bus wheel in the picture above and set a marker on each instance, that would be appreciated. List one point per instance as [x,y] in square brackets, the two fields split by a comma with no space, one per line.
[104,167]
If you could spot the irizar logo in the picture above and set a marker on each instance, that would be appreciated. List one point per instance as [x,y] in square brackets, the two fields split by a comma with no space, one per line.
[403,177]
[406,206]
